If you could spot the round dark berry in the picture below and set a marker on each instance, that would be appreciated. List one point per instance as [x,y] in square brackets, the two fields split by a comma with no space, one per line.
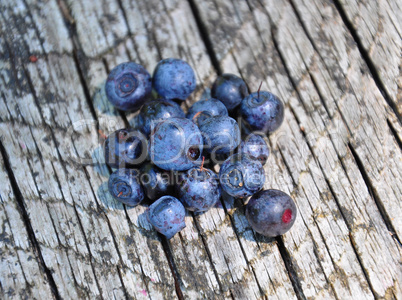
[176,144]
[174,79]
[125,148]
[167,216]
[256,147]
[271,212]
[240,176]
[263,111]
[198,189]
[124,186]
[128,86]
[156,182]
[155,111]
[230,89]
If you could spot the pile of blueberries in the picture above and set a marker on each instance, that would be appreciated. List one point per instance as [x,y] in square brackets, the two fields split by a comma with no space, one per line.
[169,156]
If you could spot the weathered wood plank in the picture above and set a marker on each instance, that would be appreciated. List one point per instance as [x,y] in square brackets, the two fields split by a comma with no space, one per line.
[246,37]
[95,247]
[230,264]
[22,275]
[378,27]
[383,173]
[67,212]
[355,122]
[228,273]
[362,95]
[191,283]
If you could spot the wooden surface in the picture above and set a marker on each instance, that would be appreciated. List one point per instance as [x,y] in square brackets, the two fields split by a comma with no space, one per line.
[336,65]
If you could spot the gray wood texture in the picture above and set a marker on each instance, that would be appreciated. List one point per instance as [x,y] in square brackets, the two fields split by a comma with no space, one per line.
[337,67]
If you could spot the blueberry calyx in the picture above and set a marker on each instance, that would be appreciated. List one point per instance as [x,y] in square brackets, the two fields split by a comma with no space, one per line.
[126,85]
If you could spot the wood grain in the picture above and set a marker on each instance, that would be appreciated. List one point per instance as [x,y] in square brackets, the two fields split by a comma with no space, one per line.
[324,133]
[338,152]
[379,32]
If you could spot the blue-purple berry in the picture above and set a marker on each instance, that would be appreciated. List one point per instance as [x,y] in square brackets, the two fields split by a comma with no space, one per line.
[167,215]
[125,148]
[230,89]
[174,79]
[128,86]
[202,109]
[176,144]
[155,111]
[271,212]
[198,189]
[255,147]
[124,186]
[221,134]
[240,176]
[262,111]
[156,182]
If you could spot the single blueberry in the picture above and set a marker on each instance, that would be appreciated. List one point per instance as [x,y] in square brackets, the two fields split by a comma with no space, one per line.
[128,86]
[157,110]
[240,176]
[271,212]
[221,134]
[124,186]
[256,147]
[230,89]
[198,189]
[176,144]
[125,148]
[156,182]
[263,111]
[202,109]
[167,215]
[174,79]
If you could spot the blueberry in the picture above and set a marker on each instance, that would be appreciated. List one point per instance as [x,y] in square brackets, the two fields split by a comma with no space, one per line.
[124,186]
[198,189]
[221,134]
[156,182]
[176,144]
[230,89]
[208,107]
[128,86]
[174,79]
[125,148]
[271,212]
[263,111]
[167,215]
[255,147]
[154,111]
[240,176]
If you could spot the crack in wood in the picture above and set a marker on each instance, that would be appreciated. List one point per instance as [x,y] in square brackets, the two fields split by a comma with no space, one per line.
[2,201]
[326,179]
[205,37]
[59,184]
[373,193]
[172,265]
[366,57]
[111,233]
[205,244]
[291,271]
[27,222]
[81,64]
[242,249]
[76,54]
[395,134]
